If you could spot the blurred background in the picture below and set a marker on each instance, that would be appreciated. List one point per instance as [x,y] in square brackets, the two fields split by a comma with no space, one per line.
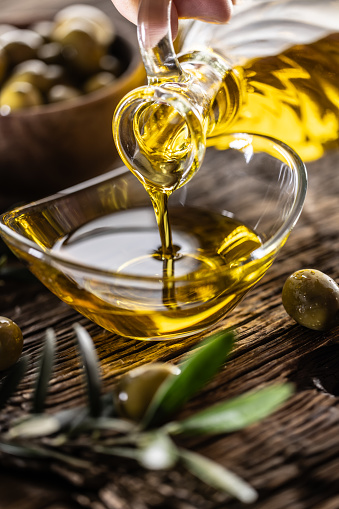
[59,143]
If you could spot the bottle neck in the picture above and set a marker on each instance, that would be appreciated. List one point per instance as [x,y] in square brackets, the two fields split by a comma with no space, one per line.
[214,89]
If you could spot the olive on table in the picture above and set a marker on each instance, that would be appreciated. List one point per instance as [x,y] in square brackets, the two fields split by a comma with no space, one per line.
[11,343]
[137,388]
[311,298]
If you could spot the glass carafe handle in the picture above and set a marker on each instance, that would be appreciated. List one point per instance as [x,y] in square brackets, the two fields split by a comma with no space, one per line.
[155,42]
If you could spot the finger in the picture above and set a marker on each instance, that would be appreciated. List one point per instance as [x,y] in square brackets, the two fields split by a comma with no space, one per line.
[216,11]
[213,11]
[128,8]
[154,23]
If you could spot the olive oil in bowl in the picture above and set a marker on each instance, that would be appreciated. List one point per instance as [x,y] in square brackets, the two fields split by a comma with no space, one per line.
[182,292]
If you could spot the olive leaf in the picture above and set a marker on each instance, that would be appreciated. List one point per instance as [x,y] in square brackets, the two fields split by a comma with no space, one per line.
[122,452]
[22,451]
[39,425]
[43,425]
[157,451]
[107,423]
[217,476]
[91,367]
[12,380]
[44,373]
[195,371]
[36,452]
[152,450]
[236,413]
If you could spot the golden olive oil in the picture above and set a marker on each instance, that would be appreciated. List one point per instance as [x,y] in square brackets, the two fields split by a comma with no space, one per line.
[137,293]
[292,96]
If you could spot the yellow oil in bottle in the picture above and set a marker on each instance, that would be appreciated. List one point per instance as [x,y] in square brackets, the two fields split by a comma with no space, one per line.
[292,96]
[134,292]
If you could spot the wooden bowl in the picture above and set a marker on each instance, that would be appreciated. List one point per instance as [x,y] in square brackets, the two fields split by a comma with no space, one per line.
[46,148]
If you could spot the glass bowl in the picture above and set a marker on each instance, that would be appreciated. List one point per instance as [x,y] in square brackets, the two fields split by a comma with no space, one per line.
[95,245]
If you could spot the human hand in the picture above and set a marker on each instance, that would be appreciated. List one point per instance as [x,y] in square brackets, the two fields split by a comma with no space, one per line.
[212,11]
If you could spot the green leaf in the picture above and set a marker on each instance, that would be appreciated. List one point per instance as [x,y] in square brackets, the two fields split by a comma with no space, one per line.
[36,452]
[157,451]
[44,373]
[236,413]
[12,380]
[21,450]
[197,369]
[36,426]
[123,452]
[109,424]
[69,417]
[91,366]
[154,451]
[218,477]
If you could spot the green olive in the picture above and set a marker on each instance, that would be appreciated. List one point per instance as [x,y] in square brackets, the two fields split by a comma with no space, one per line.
[20,44]
[11,343]
[61,92]
[137,388]
[39,74]
[101,25]
[100,80]
[81,49]
[18,95]
[32,71]
[311,298]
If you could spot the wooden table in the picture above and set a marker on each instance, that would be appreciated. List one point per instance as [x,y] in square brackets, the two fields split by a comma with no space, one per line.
[291,457]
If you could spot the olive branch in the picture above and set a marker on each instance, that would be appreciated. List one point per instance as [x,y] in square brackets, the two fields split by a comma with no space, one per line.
[151,441]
